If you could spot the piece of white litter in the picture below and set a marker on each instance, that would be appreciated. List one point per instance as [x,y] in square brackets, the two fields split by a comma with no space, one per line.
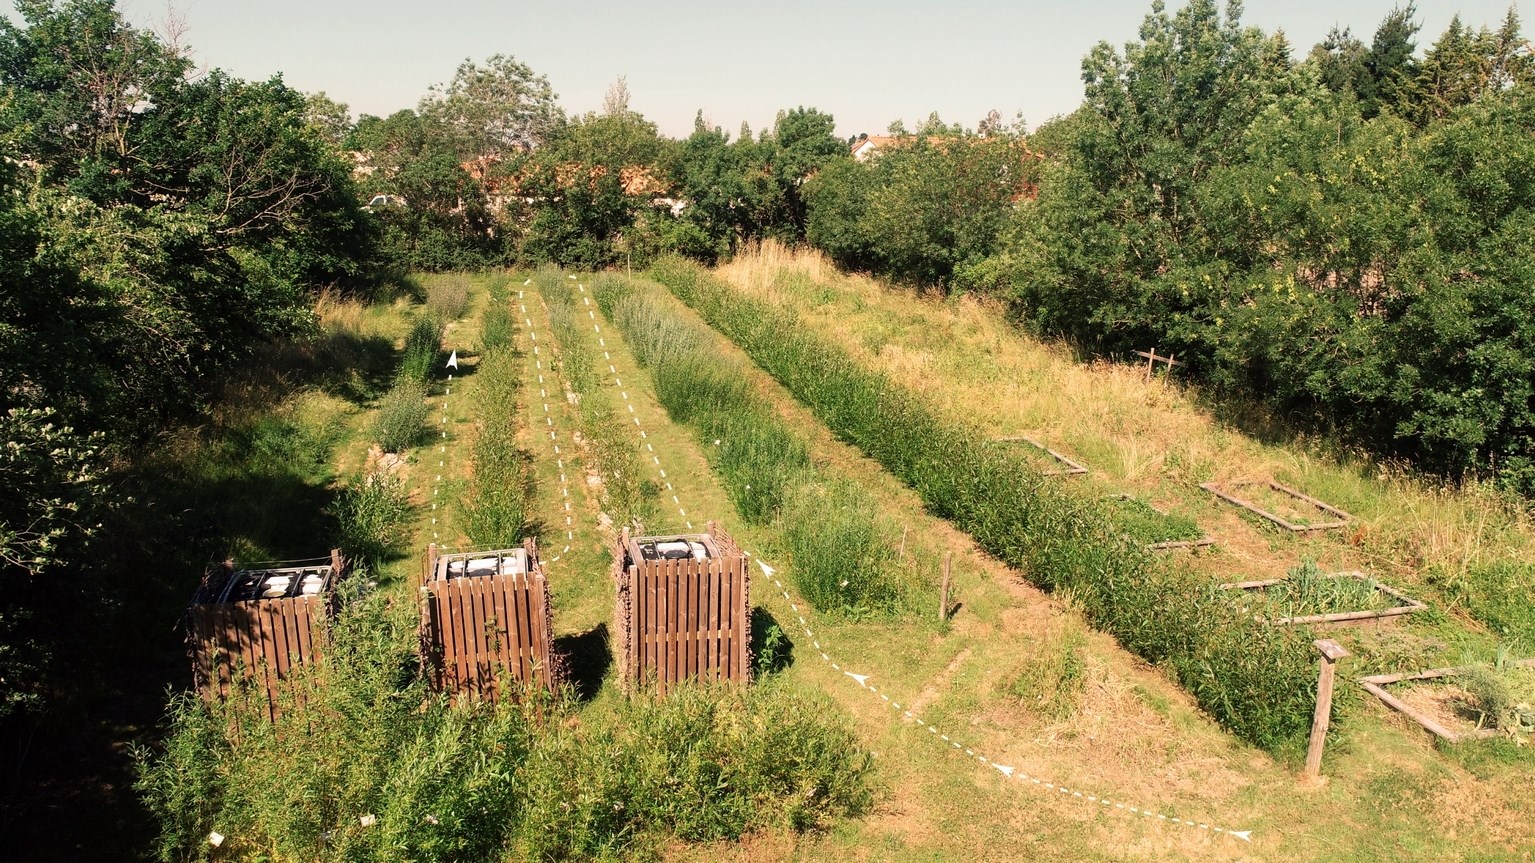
[215,838]
[367,820]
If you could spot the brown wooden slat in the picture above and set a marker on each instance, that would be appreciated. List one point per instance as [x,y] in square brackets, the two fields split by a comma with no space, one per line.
[478,604]
[512,605]
[455,615]
[742,612]
[712,620]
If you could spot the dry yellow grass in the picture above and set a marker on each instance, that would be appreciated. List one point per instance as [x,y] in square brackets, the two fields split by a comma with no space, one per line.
[1152,438]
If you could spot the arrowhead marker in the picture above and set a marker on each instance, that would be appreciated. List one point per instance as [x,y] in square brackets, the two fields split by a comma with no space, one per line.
[453,360]
[861,678]
[766,570]
[1006,771]
[1244,835]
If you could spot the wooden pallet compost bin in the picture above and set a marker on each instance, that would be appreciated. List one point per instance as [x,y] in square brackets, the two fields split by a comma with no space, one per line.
[485,617]
[683,608]
[259,622]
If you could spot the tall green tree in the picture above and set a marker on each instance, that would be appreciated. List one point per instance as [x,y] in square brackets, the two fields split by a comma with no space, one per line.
[495,109]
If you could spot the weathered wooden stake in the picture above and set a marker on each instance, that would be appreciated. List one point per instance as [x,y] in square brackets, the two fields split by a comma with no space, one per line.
[1332,651]
[431,562]
[904,531]
[943,606]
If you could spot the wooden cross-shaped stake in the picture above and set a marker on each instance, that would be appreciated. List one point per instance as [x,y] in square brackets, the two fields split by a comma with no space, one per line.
[1152,359]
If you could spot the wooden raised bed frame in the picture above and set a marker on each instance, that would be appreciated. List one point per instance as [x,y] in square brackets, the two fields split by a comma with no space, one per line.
[1072,468]
[1221,491]
[686,619]
[1202,542]
[1376,685]
[477,629]
[1408,606]
[257,638]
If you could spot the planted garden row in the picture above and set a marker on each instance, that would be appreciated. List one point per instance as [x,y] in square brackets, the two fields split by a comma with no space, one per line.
[1256,680]
[842,551]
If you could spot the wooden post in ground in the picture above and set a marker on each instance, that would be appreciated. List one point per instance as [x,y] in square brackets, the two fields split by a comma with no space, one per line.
[431,563]
[1332,651]
[943,606]
[904,530]
[1150,361]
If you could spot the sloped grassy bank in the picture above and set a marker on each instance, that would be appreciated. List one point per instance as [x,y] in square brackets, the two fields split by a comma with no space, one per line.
[1257,681]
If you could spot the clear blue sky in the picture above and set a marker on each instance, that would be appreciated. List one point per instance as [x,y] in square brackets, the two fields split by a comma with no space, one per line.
[865,62]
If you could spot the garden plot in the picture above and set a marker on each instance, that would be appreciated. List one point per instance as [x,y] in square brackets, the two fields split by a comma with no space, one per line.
[1280,504]
[1308,596]
[1465,703]
[1051,463]
[1156,528]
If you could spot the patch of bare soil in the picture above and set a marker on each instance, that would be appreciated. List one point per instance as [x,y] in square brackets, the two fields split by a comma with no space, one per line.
[1445,703]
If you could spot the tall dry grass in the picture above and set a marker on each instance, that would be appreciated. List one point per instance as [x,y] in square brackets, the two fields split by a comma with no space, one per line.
[1466,542]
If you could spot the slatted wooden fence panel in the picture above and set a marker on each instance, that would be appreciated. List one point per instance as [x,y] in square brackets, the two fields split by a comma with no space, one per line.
[476,627]
[686,619]
[264,639]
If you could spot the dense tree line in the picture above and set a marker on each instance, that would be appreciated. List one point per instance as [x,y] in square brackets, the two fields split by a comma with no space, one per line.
[157,226]
[1346,237]
[1343,236]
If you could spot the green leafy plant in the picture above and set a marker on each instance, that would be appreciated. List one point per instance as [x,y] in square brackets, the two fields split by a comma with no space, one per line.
[840,549]
[1307,590]
[402,413]
[371,514]
[423,345]
[365,763]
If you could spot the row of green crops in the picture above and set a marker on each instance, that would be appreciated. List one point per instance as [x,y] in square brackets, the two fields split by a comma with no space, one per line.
[1257,681]
[495,508]
[841,548]
[609,442]
[365,763]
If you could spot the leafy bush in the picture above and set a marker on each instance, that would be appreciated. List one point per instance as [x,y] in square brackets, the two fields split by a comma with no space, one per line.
[1503,696]
[418,359]
[1307,590]
[402,415]
[372,514]
[496,327]
[1256,680]
[360,734]
[447,297]
[844,559]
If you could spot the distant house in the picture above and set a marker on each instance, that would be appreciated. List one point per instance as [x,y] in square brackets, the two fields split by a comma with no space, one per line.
[867,145]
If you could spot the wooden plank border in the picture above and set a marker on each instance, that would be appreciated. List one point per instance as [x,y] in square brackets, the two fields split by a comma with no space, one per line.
[1072,468]
[1224,491]
[1408,606]
[1375,685]
[1168,545]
